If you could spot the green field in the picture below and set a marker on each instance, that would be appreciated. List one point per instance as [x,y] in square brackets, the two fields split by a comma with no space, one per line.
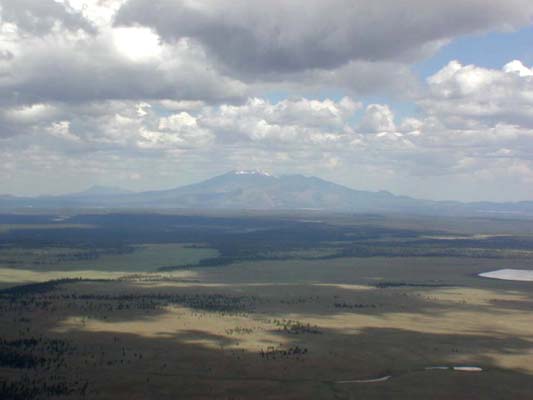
[4,228]
[139,258]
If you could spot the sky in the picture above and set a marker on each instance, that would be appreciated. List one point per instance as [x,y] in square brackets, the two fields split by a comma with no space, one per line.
[421,98]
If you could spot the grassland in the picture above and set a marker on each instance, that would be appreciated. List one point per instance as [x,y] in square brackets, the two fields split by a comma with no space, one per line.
[317,324]
[137,258]
[4,228]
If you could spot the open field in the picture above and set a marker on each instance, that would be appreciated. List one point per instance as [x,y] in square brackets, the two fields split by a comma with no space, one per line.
[4,228]
[137,258]
[241,321]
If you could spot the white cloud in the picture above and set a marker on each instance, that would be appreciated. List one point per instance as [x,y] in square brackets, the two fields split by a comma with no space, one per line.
[472,96]
[30,114]
[288,121]
[516,66]
[99,12]
[137,44]
[378,118]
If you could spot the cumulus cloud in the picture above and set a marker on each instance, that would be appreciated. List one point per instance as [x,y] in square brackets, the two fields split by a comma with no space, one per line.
[469,96]
[378,118]
[42,16]
[139,126]
[26,119]
[59,69]
[256,36]
[180,129]
[357,78]
[472,121]
[216,52]
[290,121]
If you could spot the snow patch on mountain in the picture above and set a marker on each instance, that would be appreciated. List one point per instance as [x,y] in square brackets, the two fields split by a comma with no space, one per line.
[253,172]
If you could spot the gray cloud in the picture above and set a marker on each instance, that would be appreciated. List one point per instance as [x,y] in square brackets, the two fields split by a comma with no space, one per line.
[258,37]
[41,16]
[53,70]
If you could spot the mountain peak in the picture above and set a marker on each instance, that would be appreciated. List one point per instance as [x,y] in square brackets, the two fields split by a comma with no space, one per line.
[251,172]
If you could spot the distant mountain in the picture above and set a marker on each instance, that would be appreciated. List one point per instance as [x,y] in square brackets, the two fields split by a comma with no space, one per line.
[262,191]
[97,190]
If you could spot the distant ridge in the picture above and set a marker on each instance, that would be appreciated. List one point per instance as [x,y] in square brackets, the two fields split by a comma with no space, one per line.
[259,190]
[98,190]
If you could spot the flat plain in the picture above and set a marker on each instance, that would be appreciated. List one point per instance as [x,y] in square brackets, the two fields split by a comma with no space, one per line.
[275,306]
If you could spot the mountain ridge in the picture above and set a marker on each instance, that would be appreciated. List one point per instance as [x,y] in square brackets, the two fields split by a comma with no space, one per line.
[99,190]
[259,190]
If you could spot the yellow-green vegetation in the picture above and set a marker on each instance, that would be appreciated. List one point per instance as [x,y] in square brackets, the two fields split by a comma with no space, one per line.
[321,252]
[150,257]
[147,257]
[10,277]
[4,228]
